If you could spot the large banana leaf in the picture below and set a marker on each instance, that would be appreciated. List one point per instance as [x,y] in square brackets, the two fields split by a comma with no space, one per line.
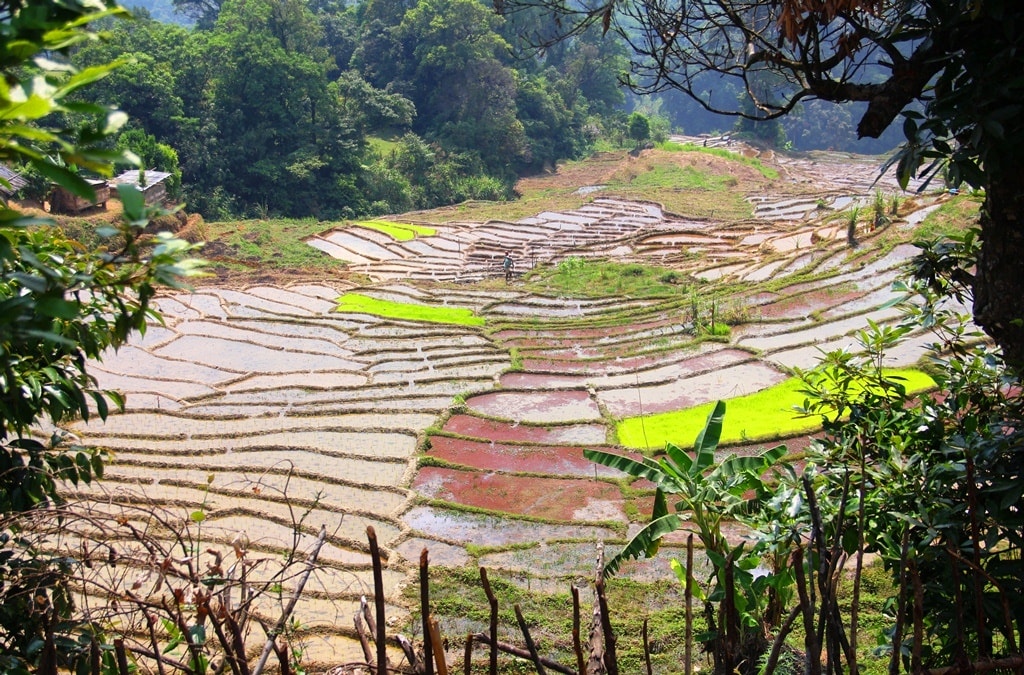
[643,541]
[646,468]
[707,440]
[744,472]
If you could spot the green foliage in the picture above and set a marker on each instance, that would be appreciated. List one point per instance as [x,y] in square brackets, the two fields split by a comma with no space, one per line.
[268,104]
[639,127]
[516,359]
[851,226]
[153,155]
[36,97]
[371,109]
[355,302]
[61,305]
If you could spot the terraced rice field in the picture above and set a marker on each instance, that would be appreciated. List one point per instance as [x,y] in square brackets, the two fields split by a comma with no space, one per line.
[262,402]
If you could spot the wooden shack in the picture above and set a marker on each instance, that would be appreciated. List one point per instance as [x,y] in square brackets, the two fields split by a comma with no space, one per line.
[62,201]
[150,183]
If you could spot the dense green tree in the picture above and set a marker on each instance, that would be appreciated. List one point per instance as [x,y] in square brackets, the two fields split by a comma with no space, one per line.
[145,88]
[263,105]
[281,137]
[153,154]
[339,21]
[553,129]
[639,128]
[463,91]
[381,56]
[586,68]
[371,109]
[163,87]
[203,12]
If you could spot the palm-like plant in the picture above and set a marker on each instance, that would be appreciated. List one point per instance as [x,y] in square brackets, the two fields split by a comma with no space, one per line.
[707,493]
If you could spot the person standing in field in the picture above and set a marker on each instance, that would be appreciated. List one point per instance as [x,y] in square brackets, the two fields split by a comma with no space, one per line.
[508,264]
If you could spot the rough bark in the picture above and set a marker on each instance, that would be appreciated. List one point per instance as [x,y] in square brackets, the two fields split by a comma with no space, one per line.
[999,278]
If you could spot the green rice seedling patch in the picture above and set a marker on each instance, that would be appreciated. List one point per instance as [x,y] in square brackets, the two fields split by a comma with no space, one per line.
[398,231]
[764,415]
[364,304]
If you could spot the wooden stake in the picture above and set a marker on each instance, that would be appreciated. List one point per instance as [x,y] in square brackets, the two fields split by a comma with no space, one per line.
[493,601]
[529,641]
[647,649]
[428,643]
[435,635]
[577,647]
[378,597]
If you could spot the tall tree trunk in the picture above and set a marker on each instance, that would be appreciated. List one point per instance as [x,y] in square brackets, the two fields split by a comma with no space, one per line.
[999,279]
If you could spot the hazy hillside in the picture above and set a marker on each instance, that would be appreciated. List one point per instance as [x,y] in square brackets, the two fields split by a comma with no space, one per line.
[161,10]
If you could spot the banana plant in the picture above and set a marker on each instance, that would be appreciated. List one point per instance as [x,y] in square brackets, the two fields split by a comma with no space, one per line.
[705,493]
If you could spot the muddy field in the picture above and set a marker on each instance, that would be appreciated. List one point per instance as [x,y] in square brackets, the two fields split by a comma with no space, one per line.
[254,400]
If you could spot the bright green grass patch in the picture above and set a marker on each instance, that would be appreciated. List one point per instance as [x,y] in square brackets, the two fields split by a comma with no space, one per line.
[364,304]
[383,146]
[763,415]
[397,231]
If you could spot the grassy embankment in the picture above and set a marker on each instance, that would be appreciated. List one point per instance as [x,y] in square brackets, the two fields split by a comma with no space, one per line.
[687,180]
[278,246]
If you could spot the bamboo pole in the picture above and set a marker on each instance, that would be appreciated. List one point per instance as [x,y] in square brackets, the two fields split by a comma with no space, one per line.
[435,635]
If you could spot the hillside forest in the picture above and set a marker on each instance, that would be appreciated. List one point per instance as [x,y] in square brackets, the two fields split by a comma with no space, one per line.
[332,109]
